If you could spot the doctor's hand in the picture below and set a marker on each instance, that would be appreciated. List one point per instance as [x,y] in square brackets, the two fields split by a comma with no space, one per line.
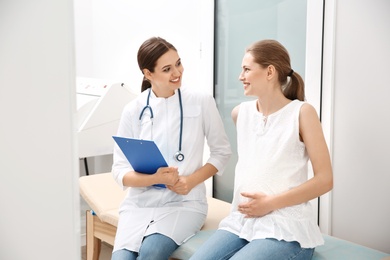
[257,205]
[182,186]
[167,175]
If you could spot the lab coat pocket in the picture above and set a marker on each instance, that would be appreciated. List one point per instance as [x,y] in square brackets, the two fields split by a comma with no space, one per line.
[192,111]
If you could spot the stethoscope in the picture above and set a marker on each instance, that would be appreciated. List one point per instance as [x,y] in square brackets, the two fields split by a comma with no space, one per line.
[179,156]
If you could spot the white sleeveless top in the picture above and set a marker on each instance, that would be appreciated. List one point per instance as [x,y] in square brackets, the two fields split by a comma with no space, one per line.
[272,159]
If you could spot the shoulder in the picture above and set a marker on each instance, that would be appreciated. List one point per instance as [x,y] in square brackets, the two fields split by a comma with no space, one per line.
[307,110]
[308,118]
[234,113]
[242,106]
[196,97]
[245,105]
[185,91]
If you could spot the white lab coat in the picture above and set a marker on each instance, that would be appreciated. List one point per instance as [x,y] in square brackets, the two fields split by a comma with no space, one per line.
[149,210]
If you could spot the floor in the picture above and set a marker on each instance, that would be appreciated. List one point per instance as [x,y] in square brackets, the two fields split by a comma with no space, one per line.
[105,253]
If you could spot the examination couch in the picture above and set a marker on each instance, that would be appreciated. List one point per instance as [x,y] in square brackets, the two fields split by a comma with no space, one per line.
[104,196]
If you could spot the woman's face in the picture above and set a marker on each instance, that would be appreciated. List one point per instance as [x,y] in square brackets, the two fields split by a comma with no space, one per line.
[253,76]
[167,74]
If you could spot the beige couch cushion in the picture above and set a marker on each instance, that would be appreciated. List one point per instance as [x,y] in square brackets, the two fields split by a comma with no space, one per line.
[104,196]
[218,209]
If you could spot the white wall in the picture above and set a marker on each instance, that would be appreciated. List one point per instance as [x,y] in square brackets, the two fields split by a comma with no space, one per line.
[38,189]
[108,35]
[356,86]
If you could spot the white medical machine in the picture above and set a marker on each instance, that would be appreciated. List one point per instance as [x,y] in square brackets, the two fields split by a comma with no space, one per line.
[99,108]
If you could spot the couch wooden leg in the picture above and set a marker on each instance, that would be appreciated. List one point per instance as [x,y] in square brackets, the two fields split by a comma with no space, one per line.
[93,243]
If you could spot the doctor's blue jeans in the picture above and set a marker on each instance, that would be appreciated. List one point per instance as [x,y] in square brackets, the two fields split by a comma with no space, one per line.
[226,245]
[154,246]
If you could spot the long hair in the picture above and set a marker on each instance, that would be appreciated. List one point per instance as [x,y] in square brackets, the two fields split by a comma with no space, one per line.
[271,52]
[148,54]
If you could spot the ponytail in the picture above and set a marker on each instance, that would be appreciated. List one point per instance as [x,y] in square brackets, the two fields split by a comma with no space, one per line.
[295,88]
[145,84]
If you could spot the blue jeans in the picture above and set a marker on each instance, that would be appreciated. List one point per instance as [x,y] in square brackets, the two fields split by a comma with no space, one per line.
[154,246]
[226,245]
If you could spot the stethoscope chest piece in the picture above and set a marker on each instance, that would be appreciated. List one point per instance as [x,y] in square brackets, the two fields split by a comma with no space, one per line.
[179,156]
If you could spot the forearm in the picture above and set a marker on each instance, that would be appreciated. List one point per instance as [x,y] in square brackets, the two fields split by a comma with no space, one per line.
[202,174]
[136,179]
[164,175]
[309,190]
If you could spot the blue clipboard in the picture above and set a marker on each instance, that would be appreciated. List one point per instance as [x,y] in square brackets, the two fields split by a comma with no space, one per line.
[143,155]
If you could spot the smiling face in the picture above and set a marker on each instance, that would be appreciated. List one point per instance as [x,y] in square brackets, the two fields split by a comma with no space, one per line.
[253,76]
[167,74]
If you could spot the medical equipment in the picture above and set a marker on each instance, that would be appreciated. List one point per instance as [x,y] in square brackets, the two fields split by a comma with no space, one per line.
[179,156]
[99,107]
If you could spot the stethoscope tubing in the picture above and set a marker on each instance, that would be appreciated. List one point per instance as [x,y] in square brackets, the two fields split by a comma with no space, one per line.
[181,120]
[147,107]
[178,156]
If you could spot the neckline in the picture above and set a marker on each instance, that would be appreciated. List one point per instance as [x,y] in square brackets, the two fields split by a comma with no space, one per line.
[274,113]
[262,124]
[153,95]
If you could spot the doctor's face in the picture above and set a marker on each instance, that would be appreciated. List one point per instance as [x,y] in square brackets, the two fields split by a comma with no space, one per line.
[167,74]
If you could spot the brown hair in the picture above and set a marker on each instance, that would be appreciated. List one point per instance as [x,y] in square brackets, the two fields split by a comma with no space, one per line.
[271,52]
[148,54]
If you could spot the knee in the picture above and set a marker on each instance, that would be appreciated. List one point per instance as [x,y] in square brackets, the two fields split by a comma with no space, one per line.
[156,253]
[156,246]
[123,254]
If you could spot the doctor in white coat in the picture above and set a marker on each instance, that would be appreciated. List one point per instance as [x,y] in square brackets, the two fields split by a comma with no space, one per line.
[154,221]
